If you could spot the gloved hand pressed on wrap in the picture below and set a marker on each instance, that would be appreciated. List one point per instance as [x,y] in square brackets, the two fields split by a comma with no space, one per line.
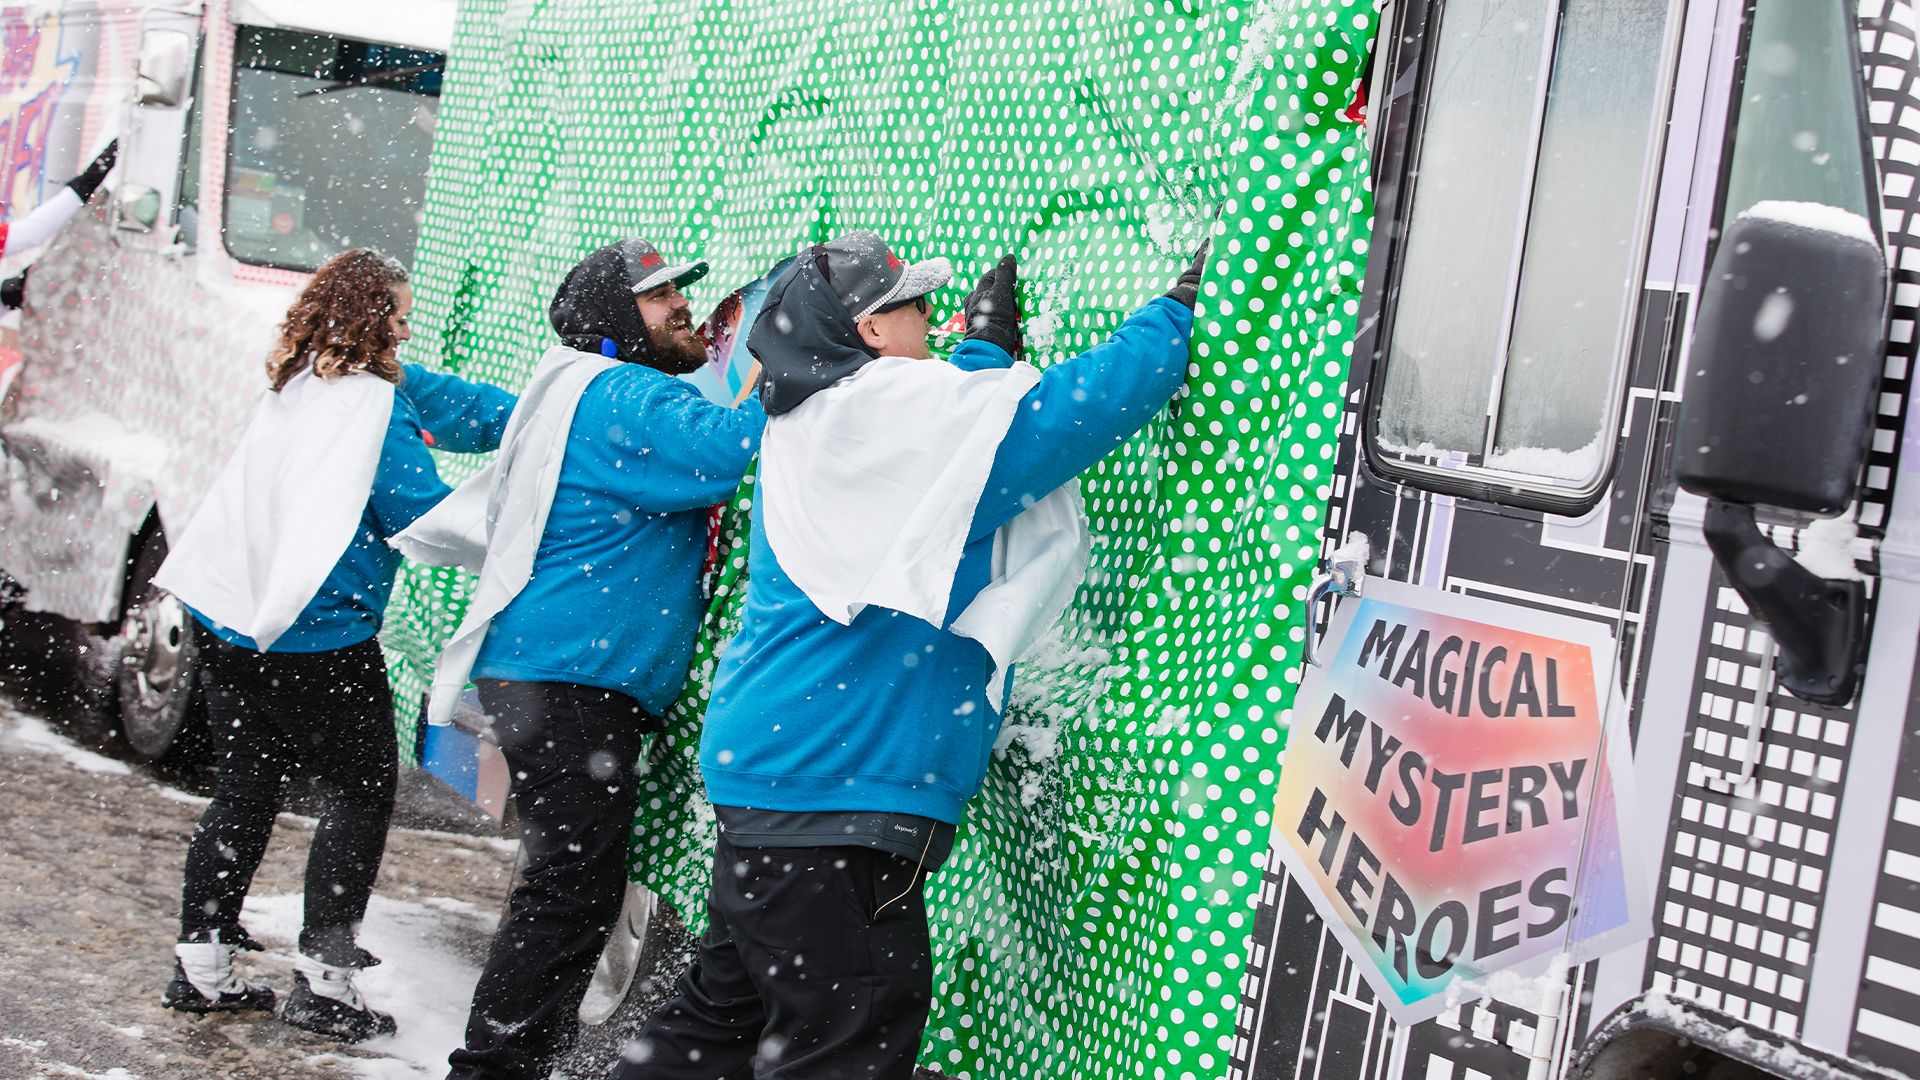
[1187,288]
[992,309]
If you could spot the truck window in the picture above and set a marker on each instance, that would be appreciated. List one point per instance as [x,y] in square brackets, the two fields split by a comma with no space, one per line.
[1801,119]
[329,147]
[1531,165]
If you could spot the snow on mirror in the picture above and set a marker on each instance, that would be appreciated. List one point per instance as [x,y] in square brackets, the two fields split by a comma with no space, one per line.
[166,59]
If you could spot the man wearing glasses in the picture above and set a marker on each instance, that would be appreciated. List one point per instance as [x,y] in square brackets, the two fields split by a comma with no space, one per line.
[914,527]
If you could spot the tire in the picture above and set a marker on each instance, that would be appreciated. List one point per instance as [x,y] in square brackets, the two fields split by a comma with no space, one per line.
[157,683]
[619,960]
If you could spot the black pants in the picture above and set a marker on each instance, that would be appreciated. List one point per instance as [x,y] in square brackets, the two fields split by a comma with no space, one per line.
[328,714]
[815,964]
[571,754]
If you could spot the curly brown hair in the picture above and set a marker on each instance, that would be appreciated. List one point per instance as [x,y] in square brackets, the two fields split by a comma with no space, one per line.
[341,322]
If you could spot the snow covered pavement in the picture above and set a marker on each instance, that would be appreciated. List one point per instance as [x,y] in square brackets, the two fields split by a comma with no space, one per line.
[89,896]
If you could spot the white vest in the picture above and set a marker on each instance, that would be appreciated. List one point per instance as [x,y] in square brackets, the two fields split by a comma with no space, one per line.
[285,508]
[869,488]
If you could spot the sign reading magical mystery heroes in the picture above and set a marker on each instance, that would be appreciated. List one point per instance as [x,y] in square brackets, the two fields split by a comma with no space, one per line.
[1448,798]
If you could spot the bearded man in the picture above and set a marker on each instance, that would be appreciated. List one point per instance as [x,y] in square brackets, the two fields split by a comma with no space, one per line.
[583,622]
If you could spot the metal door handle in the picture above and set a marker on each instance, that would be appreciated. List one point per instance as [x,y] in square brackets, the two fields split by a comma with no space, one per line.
[1341,579]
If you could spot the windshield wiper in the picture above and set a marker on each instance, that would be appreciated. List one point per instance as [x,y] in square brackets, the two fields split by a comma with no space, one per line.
[376,78]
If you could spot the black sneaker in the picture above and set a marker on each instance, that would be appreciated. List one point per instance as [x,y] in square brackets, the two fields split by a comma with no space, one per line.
[349,1019]
[241,996]
[335,945]
[237,936]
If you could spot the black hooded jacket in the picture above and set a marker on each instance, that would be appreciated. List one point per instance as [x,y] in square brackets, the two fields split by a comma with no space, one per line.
[595,303]
[804,338]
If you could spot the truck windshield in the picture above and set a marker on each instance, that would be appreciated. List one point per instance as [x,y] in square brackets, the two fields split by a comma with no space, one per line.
[329,147]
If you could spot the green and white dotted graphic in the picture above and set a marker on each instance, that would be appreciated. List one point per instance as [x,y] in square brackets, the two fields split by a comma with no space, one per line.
[1093,919]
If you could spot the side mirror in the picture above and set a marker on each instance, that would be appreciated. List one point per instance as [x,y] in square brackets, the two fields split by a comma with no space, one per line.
[166,59]
[1777,403]
[136,208]
[1777,409]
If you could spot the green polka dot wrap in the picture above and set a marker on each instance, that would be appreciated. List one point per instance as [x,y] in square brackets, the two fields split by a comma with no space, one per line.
[1093,919]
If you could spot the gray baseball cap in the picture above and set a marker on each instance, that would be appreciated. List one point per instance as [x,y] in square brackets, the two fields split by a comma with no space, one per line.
[649,269]
[866,275]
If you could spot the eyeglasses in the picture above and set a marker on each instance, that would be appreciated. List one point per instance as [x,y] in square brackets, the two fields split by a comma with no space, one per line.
[919,302]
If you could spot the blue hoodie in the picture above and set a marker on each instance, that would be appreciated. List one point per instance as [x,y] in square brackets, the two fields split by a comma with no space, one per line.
[614,601]
[890,713]
[462,417]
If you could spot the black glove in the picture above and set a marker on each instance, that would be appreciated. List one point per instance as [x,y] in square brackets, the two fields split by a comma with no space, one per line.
[13,291]
[993,310]
[1187,289]
[96,171]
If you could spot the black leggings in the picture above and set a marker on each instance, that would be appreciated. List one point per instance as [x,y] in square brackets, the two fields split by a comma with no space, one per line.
[329,714]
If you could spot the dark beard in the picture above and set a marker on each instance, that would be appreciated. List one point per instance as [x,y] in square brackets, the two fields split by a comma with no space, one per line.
[672,353]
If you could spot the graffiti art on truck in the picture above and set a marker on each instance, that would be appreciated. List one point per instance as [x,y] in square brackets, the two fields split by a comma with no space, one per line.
[35,72]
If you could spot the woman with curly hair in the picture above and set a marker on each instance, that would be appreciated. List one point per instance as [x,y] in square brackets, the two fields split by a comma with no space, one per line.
[287,571]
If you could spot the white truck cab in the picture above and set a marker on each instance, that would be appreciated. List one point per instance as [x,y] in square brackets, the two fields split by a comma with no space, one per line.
[257,137]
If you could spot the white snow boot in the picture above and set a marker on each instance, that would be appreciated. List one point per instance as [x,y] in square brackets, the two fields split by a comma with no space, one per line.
[204,980]
[325,1001]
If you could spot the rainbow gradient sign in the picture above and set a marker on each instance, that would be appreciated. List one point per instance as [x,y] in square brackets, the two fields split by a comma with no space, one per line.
[1449,798]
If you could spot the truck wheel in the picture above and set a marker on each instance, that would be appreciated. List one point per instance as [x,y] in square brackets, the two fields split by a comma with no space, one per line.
[613,975]
[159,713]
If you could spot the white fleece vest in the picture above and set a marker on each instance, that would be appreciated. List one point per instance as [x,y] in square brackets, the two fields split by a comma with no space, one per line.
[869,488]
[285,507]
[492,524]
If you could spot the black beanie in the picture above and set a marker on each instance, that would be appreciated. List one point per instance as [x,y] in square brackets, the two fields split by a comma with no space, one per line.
[595,303]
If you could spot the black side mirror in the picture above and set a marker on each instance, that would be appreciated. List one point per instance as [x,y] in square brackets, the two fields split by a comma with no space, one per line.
[1777,405]
[1777,409]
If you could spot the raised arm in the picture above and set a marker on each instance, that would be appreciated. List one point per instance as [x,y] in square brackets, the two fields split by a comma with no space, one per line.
[1084,408]
[463,417]
[692,452]
[405,483]
[975,354]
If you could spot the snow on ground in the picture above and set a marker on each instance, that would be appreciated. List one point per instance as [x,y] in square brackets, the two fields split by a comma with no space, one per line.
[97,1016]
[22,732]
[424,981]
[63,1069]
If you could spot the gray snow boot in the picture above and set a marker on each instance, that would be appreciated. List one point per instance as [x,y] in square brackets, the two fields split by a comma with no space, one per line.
[326,1002]
[204,980]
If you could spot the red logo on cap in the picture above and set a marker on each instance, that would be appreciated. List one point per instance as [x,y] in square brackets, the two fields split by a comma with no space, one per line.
[893,261]
[650,260]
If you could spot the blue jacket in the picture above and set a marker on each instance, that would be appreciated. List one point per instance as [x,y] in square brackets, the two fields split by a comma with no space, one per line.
[461,416]
[890,713]
[614,601]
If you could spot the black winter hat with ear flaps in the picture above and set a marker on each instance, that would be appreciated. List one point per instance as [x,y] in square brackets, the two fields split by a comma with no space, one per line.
[804,338]
[595,301]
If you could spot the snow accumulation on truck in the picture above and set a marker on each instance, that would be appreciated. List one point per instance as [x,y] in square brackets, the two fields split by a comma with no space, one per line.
[257,137]
[1499,663]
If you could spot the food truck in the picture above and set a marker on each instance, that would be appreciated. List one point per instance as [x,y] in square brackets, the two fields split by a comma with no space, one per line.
[257,137]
